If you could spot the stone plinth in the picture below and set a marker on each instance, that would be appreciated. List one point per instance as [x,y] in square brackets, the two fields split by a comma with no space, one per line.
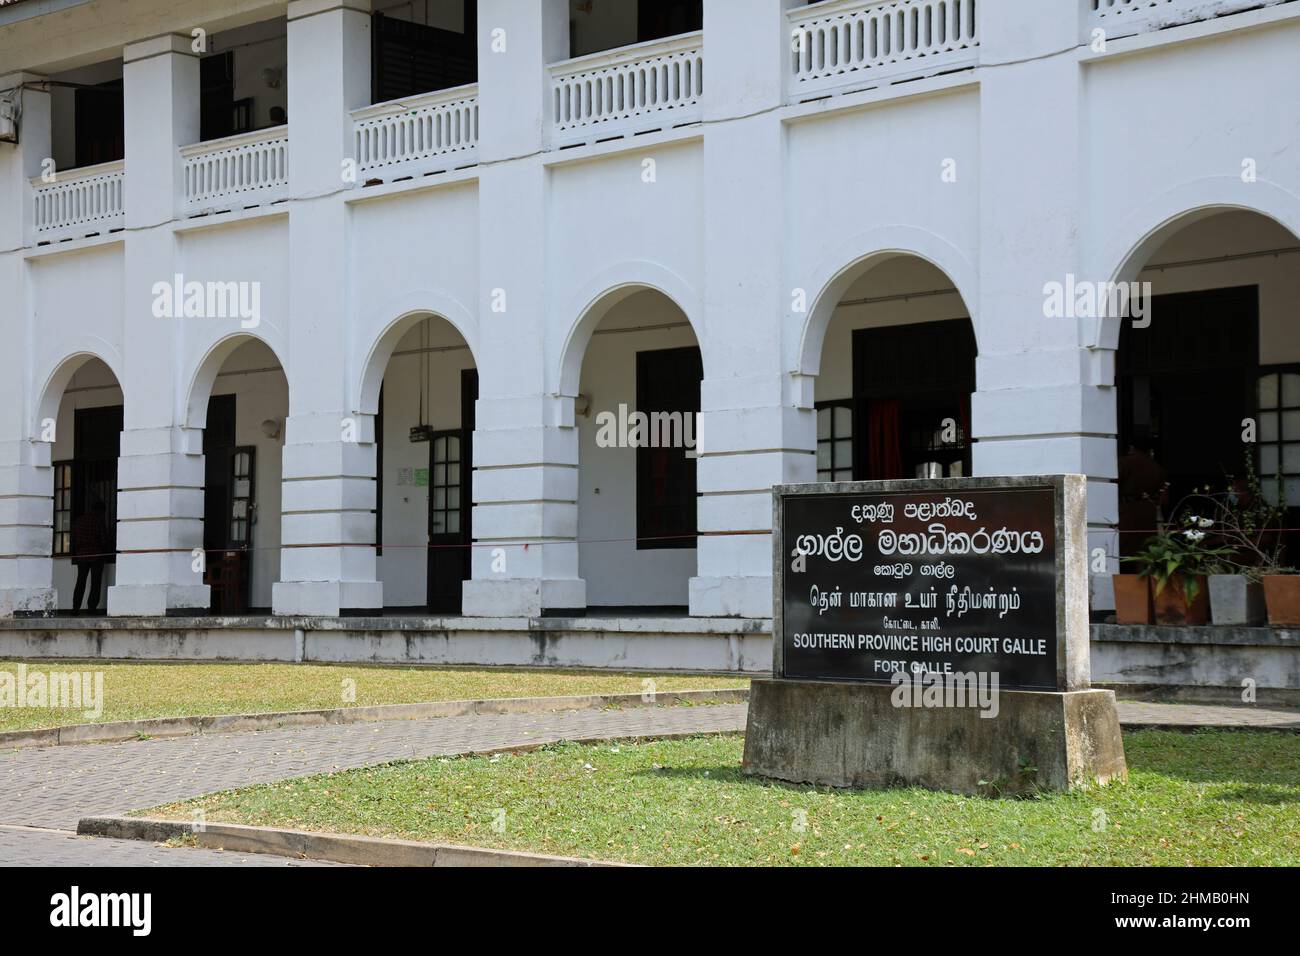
[852,735]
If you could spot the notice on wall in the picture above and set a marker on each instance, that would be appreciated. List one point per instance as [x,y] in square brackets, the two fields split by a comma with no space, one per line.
[953,581]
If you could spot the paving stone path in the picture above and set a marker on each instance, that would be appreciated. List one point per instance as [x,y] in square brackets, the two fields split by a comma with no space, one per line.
[53,787]
[27,847]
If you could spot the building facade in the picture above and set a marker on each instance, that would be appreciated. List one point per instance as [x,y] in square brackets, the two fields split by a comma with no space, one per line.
[343,304]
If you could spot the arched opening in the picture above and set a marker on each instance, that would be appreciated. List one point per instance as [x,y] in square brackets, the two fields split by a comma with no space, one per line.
[424,428]
[1208,374]
[896,373]
[240,399]
[638,431]
[86,414]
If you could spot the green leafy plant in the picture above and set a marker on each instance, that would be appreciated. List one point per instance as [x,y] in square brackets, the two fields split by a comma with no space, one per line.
[1181,553]
[1242,522]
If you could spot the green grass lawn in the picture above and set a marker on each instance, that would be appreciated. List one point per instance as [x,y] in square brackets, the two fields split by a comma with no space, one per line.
[136,690]
[1209,798]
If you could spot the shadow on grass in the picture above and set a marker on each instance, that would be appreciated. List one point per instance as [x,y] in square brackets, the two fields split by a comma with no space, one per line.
[1262,795]
[1262,767]
[732,775]
[1252,759]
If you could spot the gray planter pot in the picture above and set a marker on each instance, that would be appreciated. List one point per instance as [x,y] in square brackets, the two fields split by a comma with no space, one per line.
[1234,599]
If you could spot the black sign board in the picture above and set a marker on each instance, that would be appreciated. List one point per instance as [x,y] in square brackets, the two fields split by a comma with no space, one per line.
[918,581]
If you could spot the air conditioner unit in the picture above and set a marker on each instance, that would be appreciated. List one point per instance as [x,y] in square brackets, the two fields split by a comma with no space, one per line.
[9,117]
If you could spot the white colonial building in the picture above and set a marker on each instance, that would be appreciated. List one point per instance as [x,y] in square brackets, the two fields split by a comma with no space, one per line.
[330,300]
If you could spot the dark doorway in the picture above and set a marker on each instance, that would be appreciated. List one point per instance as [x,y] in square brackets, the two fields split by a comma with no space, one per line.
[410,58]
[1186,383]
[656,19]
[667,380]
[96,443]
[911,411]
[98,124]
[451,468]
[219,114]
[228,509]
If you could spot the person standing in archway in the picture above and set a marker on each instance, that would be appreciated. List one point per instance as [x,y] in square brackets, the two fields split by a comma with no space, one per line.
[90,546]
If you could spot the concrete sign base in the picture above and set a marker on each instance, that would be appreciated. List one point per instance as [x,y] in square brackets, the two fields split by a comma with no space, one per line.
[857,735]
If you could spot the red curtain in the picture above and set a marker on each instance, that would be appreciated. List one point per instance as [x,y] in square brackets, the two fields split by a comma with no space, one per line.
[884,456]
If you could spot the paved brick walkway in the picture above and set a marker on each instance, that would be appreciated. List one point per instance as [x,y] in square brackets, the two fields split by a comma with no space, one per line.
[21,847]
[54,787]
[1205,715]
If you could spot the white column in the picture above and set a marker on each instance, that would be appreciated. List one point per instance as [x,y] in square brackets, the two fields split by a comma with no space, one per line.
[327,558]
[1045,401]
[160,471]
[26,483]
[525,446]
[758,428]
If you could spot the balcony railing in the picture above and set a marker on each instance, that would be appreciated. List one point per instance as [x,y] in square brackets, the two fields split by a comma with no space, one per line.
[250,169]
[633,89]
[848,45]
[79,202]
[1128,17]
[422,134]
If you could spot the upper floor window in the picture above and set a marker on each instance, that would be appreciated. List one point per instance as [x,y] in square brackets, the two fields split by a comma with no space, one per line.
[421,46]
[243,80]
[596,25]
[86,115]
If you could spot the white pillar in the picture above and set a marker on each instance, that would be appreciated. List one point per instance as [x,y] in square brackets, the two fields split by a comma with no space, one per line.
[327,558]
[26,482]
[525,444]
[759,429]
[160,471]
[1045,401]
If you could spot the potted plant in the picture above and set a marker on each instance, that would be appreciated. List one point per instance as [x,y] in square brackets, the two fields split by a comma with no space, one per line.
[1176,563]
[1241,520]
[1132,598]
[1258,585]
[1236,597]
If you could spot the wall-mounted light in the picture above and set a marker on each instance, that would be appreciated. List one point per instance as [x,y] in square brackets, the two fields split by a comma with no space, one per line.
[271,428]
[271,76]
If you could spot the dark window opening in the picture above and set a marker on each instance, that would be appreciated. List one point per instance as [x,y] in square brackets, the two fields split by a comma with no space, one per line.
[98,124]
[912,386]
[63,509]
[229,508]
[1278,395]
[451,479]
[90,476]
[408,59]
[667,381]
[220,114]
[656,19]
[1186,382]
[835,441]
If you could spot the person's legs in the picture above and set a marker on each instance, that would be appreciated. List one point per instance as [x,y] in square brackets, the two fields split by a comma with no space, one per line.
[96,579]
[82,570]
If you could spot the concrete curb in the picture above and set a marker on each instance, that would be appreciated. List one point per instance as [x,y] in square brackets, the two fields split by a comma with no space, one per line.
[333,847]
[117,731]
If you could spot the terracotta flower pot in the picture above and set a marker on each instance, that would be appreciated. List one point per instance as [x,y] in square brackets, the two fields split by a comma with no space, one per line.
[1282,596]
[1132,599]
[1171,603]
